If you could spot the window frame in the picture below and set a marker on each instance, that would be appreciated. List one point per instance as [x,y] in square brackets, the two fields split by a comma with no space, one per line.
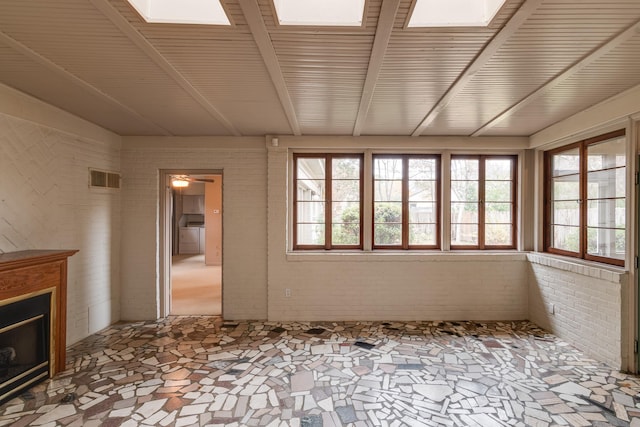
[405,201]
[482,158]
[583,200]
[328,222]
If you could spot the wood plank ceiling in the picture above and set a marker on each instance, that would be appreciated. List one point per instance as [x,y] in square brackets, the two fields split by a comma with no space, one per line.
[538,62]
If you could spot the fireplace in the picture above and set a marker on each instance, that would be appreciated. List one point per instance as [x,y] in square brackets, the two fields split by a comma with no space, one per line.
[33,307]
[25,343]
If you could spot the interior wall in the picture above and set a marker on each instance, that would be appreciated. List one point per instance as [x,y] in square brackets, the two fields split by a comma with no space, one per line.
[243,162]
[45,202]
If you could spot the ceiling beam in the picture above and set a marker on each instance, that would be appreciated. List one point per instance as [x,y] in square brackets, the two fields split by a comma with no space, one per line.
[587,60]
[380,43]
[143,44]
[518,18]
[52,66]
[261,36]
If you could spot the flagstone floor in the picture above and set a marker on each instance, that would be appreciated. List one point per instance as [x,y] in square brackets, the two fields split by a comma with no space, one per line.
[201,371]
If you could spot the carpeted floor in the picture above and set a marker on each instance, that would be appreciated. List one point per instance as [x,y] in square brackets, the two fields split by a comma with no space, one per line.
[195,287]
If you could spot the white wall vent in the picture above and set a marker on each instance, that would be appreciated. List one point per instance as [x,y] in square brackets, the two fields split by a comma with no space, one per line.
[103,179]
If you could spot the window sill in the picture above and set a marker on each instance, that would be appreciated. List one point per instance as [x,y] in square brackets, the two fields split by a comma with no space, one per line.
[404,256]
[593,269]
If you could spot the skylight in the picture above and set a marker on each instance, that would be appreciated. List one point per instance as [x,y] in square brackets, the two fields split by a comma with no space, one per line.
[454,13]
[209,12]
[320,12]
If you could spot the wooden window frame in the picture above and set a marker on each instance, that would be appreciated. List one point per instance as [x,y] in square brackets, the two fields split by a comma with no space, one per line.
[328,224]
[481,202]
[583,169]
[405,201]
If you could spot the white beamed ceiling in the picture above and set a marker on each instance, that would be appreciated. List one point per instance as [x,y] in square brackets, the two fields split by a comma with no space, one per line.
[538,62]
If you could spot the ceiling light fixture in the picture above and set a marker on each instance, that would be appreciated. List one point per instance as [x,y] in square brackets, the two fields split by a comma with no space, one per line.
[454,13]
[179,182]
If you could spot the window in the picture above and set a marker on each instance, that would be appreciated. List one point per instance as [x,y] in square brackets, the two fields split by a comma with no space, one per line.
[447,13]
[585,199]
[320,12]
[483,202]
[328,201]
[208,12]
[405,201]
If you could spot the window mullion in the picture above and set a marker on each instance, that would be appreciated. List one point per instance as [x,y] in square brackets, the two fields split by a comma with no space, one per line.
[405,202]
[583,200]
[481,201]
[327,203]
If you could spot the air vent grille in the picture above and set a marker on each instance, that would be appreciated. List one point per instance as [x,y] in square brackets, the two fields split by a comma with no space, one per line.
[103,179]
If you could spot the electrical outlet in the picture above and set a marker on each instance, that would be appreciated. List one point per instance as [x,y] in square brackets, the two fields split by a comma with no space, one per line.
[551,308]
[287,292]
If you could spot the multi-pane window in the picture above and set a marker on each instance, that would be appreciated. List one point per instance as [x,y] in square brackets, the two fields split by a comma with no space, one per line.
[405,201]
[328,201]
[585,199]
[483,208]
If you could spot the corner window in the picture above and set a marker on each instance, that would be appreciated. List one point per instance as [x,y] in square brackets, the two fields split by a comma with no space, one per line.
[328,201]
[406,202]
[585,199]
[483,202]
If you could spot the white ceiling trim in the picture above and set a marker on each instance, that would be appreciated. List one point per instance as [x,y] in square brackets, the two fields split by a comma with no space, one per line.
[386,21]
[132,34]
[52,66]
[525,11]
[261,36]
[590,58]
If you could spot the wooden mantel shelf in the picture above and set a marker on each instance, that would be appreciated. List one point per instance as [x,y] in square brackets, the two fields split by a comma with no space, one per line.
[32,271]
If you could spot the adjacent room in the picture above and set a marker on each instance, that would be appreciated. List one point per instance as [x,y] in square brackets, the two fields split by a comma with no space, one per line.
[319,212]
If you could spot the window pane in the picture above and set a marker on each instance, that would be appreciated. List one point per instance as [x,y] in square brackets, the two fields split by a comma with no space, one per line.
[387,212]
[388,234]
[497,191]
[497,213]
[606,183]
[422,169]
[464,169]
[565,213]
[345,234]
[422,191]
[498,169]
[606,213]
[311,234]
[566,238]
[387,168]
[345,190]
[312,212]
[463,191]
[345,212]
[606,154]
[464,235]
[422,234]
[464,213]
[345,168]
[388,191]
[566,188]
[311,190]
[498,235]
[422,212]
[604,242]
[566,162]
[311,168]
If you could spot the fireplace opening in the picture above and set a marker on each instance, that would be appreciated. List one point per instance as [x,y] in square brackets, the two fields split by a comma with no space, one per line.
[24,344]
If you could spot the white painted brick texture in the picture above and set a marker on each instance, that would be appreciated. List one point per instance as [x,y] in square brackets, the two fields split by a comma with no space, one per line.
[244,222]
[579,306]
[45,203]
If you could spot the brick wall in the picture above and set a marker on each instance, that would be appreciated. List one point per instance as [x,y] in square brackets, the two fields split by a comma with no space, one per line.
[580,304]
[243,164]
[45,203]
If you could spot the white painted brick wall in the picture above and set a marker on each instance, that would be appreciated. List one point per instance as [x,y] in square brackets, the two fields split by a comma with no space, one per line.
[243,162]
[580,304]
[45,203]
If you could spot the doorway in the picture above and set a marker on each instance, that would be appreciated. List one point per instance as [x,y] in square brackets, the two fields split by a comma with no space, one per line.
[192,248]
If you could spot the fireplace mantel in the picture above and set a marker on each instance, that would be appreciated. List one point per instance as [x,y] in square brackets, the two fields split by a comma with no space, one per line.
[29,272]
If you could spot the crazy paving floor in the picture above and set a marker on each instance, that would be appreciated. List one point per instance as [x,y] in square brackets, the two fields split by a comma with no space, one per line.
[197,371]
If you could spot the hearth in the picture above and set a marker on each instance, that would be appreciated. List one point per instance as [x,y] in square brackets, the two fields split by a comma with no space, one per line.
[25,343]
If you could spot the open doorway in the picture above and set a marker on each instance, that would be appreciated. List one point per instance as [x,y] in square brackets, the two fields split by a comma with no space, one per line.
[192,243]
